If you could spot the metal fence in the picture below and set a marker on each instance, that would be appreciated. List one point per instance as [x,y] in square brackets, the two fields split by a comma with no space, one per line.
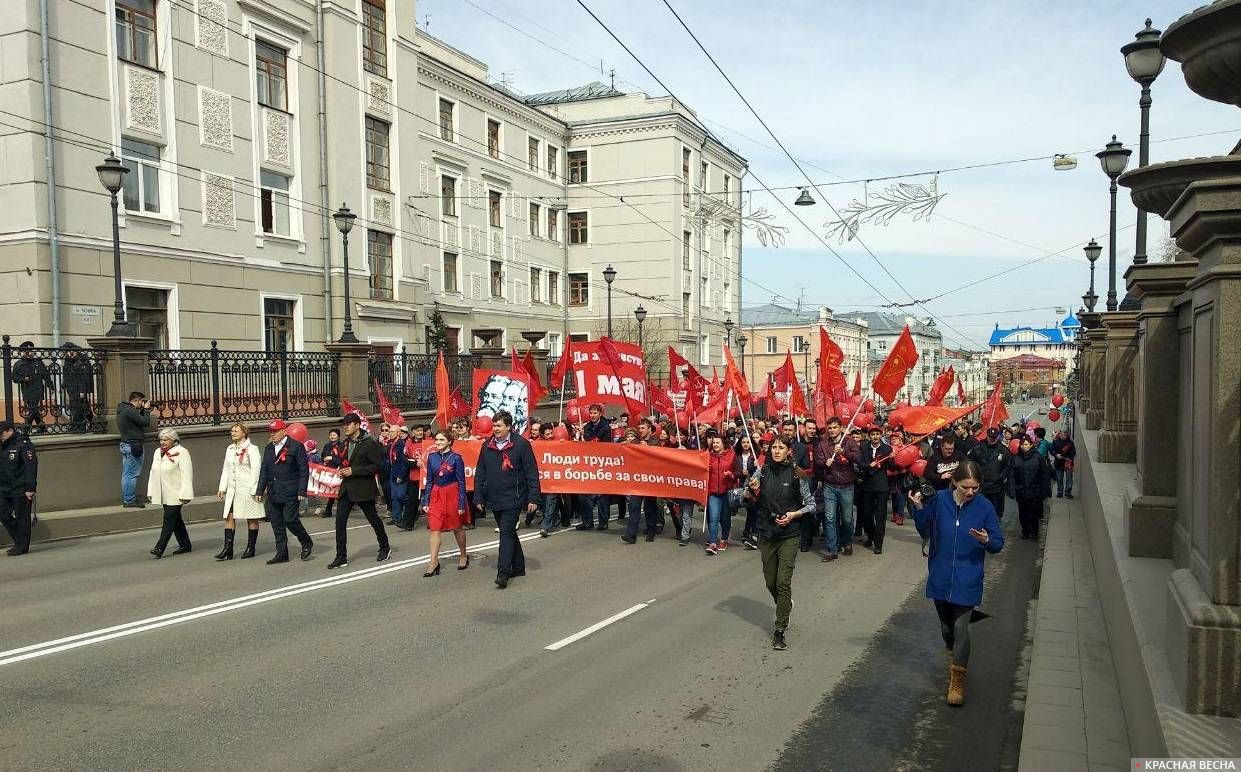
[211,386]
[553,389]
[408,380]
[53,390]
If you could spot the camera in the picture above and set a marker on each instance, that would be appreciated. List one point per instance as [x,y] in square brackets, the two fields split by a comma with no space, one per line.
[927,490]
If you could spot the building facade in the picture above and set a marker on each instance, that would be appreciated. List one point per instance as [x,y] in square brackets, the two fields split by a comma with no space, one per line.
[884,330]
[246,125]
[772,331]
[972,371]
[1028,375]
[1057,341]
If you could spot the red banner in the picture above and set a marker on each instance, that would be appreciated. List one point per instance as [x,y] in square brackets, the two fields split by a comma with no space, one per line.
[604,467]
[611,372]
[496,390]
[324,482]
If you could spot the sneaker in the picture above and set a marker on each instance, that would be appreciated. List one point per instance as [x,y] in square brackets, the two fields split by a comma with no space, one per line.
[750,544]
[710,550]
[385,552]
[722,546]
[497,530]
[848,550]
[829,557]
[629,539]
[543,534]
[683,542]
[777,641]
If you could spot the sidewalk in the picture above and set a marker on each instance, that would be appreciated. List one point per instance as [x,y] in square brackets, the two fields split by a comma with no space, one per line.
[1074,719]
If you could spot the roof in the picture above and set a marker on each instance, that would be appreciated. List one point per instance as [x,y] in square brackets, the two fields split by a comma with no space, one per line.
[592,90]
[772,315]
[1029,361]
[1070,321]
[1024,336]
[892,324]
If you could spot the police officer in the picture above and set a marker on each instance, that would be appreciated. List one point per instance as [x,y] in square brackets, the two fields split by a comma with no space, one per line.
[30,373]
[19,471]
[995,462]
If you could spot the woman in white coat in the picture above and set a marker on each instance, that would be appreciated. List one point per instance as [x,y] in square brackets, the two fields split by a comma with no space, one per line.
[238,480]
[171,485]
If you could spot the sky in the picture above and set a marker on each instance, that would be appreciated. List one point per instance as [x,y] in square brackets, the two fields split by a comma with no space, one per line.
[860,90]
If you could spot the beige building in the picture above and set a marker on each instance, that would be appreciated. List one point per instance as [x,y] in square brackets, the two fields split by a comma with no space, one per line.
[243,135]
[884,329]
[772,331]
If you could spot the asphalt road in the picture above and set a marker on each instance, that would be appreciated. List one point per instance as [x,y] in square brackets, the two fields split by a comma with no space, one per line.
[112,660]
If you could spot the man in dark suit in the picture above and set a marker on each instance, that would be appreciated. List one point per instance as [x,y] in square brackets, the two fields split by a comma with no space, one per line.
[873,506]
[360,462]
[282,486]
[506,479]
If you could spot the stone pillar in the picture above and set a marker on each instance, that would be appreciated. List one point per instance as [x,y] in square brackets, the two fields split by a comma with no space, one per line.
[1150,503]
[1093,356]
[1118,442]
[124,370]
[492,357]
[354,376]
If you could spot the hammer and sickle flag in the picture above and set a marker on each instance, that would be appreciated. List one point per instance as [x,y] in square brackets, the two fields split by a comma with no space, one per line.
[901,359]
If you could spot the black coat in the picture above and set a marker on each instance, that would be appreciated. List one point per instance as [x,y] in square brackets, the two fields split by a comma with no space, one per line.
[364,456]
[282,481]
[1031,477]
[78,376]
[995,462]
[19,466]
[31,374]
[937,464]
[875,478]
[507,489]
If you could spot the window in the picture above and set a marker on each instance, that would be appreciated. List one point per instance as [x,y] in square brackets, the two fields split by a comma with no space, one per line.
[450,272]
[448,196]
[553,161]
[135,31]
[374,38]
[493,138]
[579,289]
[685,175]
[493,208]
[278,324]
[553,288]
[704,349]
[553,224]
[728,183]
[798,344]
[536,285]
[271,74]
[577,228]
[771,345]
[577,166]
[379,261]
[532,153]
[274,203]
[702,176]
[141,187]
[378,173]
[446,130]
[685,296]
[553,345]
[147,310]
[728,250]
[534,219]
[685,237]
[497,279]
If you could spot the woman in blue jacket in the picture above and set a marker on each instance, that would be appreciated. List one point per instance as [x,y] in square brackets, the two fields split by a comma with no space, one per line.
[961,528]
[443,500]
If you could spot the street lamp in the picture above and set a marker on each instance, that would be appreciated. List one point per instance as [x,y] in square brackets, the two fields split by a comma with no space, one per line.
[1114,157]
[1144,61]
[805,349]
[344,223]
[609,275]
[741,341]
[804,198]
[112,176]
[639,313]
[1092,250]
[728,331]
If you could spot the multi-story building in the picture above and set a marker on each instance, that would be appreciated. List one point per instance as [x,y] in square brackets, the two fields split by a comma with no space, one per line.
[1057,341]
[883,331]
[772,331]
[1028,375]
[971,370]
[246,125]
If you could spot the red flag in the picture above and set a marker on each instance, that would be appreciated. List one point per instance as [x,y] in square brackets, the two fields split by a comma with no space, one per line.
[736,379]
[857,384]
[460,405]
[674,382]
[786,382]
[443,394]
[661,401]
[346,408]
[901,359]
[993,412]
[527,365]
[830,355]
[924,419]
[960,392]
[939,389]
[391,415]
[563,364]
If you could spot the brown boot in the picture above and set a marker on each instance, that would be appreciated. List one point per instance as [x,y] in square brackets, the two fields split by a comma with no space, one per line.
[956,685]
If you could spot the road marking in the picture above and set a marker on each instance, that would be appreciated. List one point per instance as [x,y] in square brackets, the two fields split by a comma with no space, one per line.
[596,627]
[80,640]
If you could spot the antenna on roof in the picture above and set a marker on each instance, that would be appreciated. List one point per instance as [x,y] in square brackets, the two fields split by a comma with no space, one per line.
[507,77]
[426,24]
[612,75]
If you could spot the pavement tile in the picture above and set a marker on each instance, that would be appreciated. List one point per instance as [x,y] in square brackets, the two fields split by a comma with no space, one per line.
[1107,752]
[1049,648]
[1054,695]
[1045,676]
[1055,738]
[1071,664]
[1055,715]
[1056,636]
[1059,621]
[1037,760]
[1109,767]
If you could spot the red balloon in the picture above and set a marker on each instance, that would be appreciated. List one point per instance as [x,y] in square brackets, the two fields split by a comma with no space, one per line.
[907,456]
[1031,425]
[868,406]
[864,419]
[482,426]
[918,467]
[1057,400]
[298,431]
[1053,414]
[560,432]
[1014,446]
[574,413]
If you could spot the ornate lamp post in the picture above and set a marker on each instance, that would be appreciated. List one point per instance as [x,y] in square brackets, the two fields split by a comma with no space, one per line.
[728,331]
[1114,157]
[609,275]
[1144,61]
[741,341]
[639,313]
[344,223]
[112,176]
[1092,250]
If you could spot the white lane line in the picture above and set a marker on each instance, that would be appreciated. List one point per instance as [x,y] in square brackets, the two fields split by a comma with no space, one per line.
[596,627]
[185,615]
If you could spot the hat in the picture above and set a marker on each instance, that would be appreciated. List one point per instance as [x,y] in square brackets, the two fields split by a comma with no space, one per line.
[993,432]
[404,429]
[352,418]
[7,426]
[277,426]
[26,344]
[311,446]
[69,346]
[768,436]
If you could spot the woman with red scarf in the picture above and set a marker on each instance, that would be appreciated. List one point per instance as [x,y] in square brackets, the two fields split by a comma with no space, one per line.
[171,485]
[443,500]
[238,478]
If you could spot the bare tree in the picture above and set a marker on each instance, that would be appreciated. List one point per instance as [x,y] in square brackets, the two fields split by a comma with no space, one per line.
[1167,250]
[655,339]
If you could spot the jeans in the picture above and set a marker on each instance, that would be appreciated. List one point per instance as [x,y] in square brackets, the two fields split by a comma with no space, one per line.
[285,517]
[838,502]
[396,504]
[1064,481]
[595,503]
[635,506]
[687,518]
[897,494]
[717,507]
[131,468]
[342,524]
[512,560]
[551,507]
[779,558]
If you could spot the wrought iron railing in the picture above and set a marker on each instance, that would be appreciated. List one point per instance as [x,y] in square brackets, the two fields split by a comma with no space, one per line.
[554,390]
[53,390]
[212,386]
[408,380]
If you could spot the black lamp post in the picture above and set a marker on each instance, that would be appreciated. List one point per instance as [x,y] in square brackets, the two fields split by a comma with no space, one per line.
[805,349]
[728,331]
[1144,61]
[344,223]
[639,313]
[804,198]
[609,275]
[741,341]
[1092,250]
[112,175]
[1114,157]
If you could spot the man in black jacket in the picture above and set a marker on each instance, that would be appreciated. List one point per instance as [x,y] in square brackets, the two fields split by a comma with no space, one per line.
[78,380]
[995,462]
[30,373]
[133,418]
[593,506]
[873,506]
[506,479]
[281,487]
[361,462]
[19,472]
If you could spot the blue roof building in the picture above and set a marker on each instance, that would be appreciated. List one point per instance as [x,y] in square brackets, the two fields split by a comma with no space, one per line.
[1054,342]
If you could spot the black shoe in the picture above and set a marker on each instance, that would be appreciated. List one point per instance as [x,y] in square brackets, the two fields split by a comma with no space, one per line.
[543,534]
[868,544]
[133,505]
[340,561]
[467,564]
[629,539]
[777,641]
[583,527]
[158,552]
[1068,495]
[306,550]
[279,557]
[226,552]
[252,538]
[501,581]
[650,537]
[805,548]
[385,552]
[14,551]
[390,521]
[519,572]
[181,550]
[878,549]
[848,550]
[433,572]
[601,527]
[1059,495]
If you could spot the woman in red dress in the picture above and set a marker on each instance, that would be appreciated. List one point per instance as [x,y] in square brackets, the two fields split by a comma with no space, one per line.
[443,500]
